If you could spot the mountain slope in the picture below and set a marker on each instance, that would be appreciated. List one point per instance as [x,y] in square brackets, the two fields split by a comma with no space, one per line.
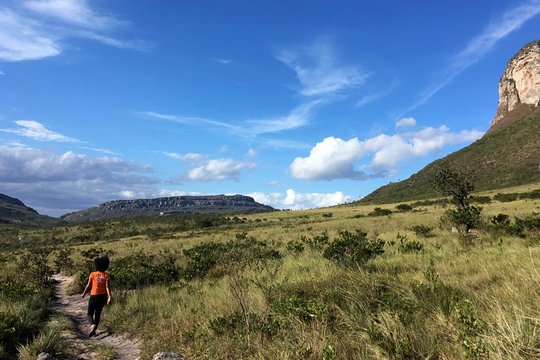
[507,157]
[508,154]
[14,211]
[175,204]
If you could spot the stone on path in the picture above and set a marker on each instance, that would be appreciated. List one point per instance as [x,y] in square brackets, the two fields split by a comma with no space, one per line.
[167,356]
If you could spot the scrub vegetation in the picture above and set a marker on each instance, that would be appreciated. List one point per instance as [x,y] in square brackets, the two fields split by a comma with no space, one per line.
[361,283]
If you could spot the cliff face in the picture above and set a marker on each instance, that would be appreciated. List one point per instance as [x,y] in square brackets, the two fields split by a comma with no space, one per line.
[520,82]
[175,204]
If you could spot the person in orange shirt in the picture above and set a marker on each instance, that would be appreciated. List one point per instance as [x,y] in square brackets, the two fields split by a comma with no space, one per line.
[100,294]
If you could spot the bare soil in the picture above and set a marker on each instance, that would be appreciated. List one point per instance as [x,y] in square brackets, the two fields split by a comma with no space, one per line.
[74,307]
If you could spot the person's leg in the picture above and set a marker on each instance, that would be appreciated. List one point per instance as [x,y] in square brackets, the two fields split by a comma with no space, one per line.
[100,303]
[91,309]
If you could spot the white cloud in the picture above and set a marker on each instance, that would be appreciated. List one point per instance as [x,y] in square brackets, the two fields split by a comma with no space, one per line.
[251,153]
[334,158]
[318,71]
[295,200]
[405,122]
[22,39]
[298,117]
[481,44]
[42,29]
[223,149]
[188,157]
[69,181]
[223,61]
[35,130]
[218,169]
[76,12]
[2,73]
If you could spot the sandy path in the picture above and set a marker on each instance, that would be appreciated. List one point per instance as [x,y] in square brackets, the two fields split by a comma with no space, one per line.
[74,307]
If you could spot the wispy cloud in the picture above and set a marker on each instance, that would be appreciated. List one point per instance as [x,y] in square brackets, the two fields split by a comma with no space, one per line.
[100,150]
[510,21]
[75,12]
[37,29]
[35,130]
[2,73]
[188,157]
[298,117]
[223,61]
[318,70]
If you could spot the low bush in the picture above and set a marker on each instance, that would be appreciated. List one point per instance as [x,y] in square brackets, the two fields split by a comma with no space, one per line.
[481,199]
[221,258]
[508,197]
[422,231]
[380,212]
[295,246]
[409,246]
[404,207]
[142,269]
[533,195]
[318,242]
[353,248]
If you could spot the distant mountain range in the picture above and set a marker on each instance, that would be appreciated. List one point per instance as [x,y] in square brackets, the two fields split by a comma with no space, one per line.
[14,211]
[507,155]
[221,204]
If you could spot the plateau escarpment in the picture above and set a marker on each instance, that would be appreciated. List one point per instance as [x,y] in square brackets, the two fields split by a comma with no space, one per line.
[166,205]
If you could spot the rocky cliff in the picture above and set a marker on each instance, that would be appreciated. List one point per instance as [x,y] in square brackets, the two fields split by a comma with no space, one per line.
[520,83]
[166,205]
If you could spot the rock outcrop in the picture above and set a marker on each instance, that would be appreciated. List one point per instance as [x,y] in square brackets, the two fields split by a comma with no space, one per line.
[168,205]
[520,82]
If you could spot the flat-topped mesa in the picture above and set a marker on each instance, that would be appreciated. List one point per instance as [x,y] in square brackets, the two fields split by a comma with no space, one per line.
[520,82]
[217,204]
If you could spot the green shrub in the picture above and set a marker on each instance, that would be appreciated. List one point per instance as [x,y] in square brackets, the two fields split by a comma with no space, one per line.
[224,257]
[295,246]
[481,199]
[471,331]
[422,231]
[404,207]
[353,249]
[508,197]
[533,195]
[318,242]
[34,265]
[380,212]
[63,261]
[500,220]
[409,246]
[142,269]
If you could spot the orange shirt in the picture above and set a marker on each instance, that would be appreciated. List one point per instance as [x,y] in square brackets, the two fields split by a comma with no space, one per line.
[100,281]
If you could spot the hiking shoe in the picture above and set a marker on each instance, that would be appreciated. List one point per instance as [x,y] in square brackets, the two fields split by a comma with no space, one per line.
[92,330]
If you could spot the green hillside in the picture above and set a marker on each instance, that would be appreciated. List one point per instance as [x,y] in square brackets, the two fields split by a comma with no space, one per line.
[506,156]
[14,211]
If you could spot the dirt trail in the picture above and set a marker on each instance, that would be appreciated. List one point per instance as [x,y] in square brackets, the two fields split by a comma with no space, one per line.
[74,307]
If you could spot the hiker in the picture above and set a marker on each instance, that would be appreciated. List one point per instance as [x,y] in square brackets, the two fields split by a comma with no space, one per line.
[100,293]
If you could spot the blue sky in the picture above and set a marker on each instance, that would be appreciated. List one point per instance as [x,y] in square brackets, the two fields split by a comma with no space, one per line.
[299,104]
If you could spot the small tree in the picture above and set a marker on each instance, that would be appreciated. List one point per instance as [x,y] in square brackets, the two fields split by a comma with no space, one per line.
[459,187]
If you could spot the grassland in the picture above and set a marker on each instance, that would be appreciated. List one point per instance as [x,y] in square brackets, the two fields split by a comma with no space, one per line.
[440,295]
